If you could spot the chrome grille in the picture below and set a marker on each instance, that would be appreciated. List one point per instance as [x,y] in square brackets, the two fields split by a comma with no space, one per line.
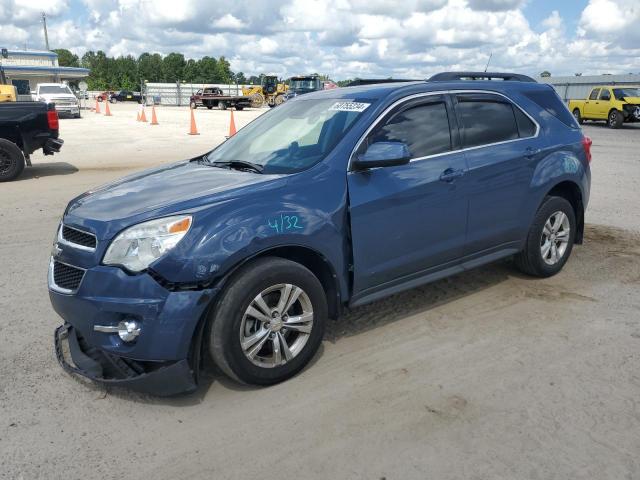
[78,237]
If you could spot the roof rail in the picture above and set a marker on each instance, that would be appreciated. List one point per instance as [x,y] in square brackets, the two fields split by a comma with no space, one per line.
[449,76]
[371,81]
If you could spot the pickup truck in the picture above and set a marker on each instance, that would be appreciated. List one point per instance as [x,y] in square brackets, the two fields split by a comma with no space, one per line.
[214,97]
[613,104]
[60,94]
[336,198]
[24,128]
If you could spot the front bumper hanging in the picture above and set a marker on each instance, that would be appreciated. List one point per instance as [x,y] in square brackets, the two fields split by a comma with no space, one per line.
[161,379]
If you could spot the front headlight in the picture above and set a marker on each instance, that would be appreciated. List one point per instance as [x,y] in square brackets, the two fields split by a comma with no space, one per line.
[137,247]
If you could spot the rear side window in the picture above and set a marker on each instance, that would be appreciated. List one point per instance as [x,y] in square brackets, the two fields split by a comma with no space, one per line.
[486,121]
[550,101]
[605,95]
[594,94]
[526,128]
[424,128]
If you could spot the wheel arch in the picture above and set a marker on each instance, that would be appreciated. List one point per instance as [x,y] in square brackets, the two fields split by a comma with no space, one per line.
[308,257]
[571,192]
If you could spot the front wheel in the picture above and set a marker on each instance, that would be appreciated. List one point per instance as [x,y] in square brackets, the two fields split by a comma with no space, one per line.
[222,105]
[615,119]
[113,99]
[269,322]
[193,105]
[550,239]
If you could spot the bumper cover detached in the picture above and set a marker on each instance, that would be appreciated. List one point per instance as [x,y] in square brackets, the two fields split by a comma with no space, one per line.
[155,378]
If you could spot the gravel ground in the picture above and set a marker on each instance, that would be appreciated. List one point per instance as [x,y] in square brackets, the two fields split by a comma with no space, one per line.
[480,376]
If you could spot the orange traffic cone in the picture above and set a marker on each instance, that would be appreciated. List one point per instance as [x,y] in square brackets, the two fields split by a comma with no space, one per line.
[143,117]
[107,112]
[232,126]
[154,119]
[193,130]
[97,106]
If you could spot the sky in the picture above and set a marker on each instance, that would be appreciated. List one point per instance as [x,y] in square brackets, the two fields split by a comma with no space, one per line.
[345,38]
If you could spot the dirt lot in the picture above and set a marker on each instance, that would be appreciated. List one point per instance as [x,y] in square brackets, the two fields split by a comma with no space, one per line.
[481,376]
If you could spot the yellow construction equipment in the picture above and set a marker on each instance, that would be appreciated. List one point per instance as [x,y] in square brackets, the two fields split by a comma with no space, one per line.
[7,93]
[270,91]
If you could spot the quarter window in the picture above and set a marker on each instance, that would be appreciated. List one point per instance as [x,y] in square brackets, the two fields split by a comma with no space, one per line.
[486,121]
[526,128]
[424,128]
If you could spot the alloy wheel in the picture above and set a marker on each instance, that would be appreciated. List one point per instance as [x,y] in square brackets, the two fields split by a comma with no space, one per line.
[555,238]
[276,325]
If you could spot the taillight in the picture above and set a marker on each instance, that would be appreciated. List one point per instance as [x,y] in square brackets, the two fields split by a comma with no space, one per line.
[52,120]
[586,144]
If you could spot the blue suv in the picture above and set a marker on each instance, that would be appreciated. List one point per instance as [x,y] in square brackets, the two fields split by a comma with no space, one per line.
[333,199]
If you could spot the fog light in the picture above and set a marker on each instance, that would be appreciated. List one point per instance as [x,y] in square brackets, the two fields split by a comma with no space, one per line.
[128,330]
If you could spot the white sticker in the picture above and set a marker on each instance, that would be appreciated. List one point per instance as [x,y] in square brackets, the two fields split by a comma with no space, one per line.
[349,106]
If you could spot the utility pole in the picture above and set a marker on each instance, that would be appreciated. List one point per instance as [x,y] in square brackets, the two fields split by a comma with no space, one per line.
[490,55]
[46,36]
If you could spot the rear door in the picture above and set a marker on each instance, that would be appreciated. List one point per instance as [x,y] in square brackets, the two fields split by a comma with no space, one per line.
[591,104]
[410,218]
[500,145]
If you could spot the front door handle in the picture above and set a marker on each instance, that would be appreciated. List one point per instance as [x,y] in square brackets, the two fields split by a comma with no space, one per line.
[450,174]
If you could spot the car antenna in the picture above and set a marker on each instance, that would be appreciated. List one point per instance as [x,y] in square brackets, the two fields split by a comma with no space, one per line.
[490,55]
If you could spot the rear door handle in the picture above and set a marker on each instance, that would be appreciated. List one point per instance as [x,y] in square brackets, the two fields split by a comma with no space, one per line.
[450,174]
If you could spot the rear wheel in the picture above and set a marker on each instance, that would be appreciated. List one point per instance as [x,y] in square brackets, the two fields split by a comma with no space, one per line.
[11,160]
[269,323]
[239,107]
[222,105]
[578,117]
[209,106]
[550,239]
[113,99]
[615,119]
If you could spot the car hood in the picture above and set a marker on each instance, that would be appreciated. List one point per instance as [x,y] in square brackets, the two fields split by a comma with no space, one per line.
[634,100]
[58,98]
[164,191]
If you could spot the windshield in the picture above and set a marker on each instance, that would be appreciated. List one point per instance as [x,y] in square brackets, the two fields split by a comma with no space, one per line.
[54,89]
[303,84]
[292,137]
[620,93]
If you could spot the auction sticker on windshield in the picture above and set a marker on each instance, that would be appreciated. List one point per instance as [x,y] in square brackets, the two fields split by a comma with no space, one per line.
[349,106]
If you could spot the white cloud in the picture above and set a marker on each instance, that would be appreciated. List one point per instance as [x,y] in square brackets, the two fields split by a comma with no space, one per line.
[344,38]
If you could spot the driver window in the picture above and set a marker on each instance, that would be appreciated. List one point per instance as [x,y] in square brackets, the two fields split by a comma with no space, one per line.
[424,128]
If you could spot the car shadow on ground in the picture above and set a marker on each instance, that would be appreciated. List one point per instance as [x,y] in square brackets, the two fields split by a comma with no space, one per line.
[353,322]
[39,170]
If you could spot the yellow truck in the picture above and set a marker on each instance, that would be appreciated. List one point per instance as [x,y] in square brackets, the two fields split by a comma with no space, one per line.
[614,104]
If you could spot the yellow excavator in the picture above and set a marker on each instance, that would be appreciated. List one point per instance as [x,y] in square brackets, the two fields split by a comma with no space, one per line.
[270,91]
[7,92]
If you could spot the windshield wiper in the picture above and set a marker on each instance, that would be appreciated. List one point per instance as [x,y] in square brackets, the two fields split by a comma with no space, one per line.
[239,165]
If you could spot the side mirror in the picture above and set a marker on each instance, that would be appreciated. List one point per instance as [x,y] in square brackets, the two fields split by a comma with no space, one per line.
[383,154]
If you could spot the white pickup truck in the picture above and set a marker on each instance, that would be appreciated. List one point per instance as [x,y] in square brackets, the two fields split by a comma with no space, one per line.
[61,95]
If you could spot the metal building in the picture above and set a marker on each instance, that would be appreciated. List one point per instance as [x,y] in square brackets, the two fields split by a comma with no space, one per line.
[26,68]
[579,87]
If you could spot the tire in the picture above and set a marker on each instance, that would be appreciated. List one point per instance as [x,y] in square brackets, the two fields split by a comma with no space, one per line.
[615,119]
[209,107]
[532,260]
[231,320]
[193,105]
[279,100]
[113,100]
[100,99]
[578,117]
[11,160]
[222,105]
[239,108]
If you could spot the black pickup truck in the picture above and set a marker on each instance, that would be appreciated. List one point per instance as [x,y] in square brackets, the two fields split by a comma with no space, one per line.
[24,128]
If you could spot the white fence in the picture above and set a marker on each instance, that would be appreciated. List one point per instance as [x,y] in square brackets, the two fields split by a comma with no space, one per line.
[179,93]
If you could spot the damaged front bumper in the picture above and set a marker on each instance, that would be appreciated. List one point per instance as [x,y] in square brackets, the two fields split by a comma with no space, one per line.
[156,378]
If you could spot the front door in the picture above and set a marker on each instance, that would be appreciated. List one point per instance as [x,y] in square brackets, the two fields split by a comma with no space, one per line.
[591,104]
[409,219]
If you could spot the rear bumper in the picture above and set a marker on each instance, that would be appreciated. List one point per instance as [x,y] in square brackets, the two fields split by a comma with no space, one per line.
[156,378]
[52,145]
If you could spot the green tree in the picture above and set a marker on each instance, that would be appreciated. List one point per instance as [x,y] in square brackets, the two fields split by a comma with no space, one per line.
[223,71]
[191,71]
[150,67]
[66,58]
[241,79]
[208,68]
[173,67]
